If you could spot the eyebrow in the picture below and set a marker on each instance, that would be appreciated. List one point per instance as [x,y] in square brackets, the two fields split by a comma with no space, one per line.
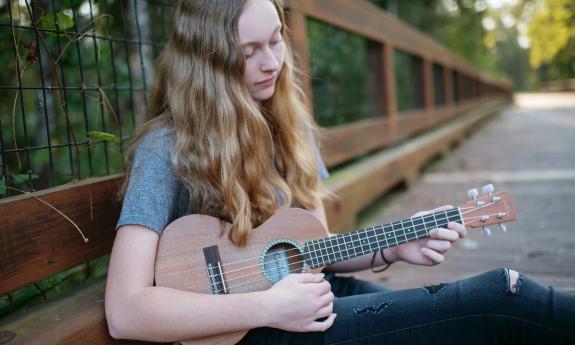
[255,43]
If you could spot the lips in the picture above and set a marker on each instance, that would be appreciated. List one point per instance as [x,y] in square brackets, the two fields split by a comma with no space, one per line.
[266,81]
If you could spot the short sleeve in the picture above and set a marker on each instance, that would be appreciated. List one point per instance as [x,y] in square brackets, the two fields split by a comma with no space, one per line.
[152,194]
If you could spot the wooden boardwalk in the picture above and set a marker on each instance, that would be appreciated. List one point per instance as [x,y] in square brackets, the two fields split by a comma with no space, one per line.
[529,150]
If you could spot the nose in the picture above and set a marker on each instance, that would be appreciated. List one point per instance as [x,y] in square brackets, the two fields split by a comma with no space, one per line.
[269,62]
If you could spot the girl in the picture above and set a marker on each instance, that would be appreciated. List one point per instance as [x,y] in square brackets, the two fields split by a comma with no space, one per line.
[230,137]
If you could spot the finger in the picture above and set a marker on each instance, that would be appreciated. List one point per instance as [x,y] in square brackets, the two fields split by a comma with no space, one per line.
[317,326]
[327,298]
[434,256]
[444,234]
[458,227]
[442,208]
[324,287]
[310,277]
[421,213]
[439,246]
[325,311]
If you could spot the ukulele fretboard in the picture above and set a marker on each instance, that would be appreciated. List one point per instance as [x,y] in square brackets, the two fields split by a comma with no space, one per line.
[329,250]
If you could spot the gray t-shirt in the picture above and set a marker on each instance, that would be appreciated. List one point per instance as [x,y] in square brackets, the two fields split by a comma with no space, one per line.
[156,196]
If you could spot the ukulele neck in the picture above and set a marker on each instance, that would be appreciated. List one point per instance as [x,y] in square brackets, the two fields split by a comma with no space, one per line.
[329,250]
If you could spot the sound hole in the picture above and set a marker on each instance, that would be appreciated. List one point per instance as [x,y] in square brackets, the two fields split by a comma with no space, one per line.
[280,260]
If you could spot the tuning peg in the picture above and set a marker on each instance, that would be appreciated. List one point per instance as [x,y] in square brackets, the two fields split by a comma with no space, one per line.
[486,231]
[472,193]
[502,228]
[488,189]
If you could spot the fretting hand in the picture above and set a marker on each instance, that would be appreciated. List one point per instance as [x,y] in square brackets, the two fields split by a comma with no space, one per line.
[429,251]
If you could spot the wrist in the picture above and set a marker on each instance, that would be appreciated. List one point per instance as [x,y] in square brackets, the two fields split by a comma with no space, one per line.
[265,301]
[390,255]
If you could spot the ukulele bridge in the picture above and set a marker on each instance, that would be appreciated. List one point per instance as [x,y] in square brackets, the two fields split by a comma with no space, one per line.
[215,272]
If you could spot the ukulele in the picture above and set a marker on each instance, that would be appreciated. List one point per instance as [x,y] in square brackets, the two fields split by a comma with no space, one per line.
[194,253]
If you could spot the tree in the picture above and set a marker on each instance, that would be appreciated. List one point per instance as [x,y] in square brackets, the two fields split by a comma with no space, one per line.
[552,35]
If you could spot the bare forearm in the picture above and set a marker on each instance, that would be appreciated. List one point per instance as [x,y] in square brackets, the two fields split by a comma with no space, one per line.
[363,262]
[166,314]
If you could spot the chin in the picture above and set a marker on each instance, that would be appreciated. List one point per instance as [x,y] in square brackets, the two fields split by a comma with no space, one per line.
[264,95]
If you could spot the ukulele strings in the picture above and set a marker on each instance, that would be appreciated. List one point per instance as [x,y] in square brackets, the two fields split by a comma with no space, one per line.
[353,242]
[470,209]
[328,247]
[298,262]
[373,228]
[291,264]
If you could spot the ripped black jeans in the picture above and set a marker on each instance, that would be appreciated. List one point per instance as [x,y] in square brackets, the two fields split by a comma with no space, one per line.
[478,310]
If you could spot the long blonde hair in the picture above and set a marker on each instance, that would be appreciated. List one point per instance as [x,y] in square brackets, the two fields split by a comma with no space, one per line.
[238,157]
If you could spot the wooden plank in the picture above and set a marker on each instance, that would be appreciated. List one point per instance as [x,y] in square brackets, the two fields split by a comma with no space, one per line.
[37,242]
[371,22]
[76,318]
[297,24]
[344,142]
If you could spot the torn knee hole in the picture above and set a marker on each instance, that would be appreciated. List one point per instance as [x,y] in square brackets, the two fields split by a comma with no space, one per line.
[433,289]
[372,310]
[513,280]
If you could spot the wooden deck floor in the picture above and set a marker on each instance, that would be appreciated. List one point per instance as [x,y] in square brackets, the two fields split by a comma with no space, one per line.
[529,150]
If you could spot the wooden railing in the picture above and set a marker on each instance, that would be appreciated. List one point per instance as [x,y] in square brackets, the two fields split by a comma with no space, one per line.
[389,34]
[37,242]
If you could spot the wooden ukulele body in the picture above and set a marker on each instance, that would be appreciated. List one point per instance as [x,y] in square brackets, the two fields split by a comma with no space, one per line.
[181,262]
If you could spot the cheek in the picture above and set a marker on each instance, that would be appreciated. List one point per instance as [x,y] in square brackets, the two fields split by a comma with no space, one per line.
[250,72]
[279,55]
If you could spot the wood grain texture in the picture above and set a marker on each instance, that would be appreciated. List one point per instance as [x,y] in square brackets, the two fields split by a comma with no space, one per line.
[344,142]
[180,261]
[75,318]
[37,242]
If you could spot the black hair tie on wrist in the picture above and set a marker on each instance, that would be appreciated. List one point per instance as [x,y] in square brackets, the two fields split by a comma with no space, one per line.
[384,260]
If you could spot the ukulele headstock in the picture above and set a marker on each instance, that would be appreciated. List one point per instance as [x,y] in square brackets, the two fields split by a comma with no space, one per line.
[489,209]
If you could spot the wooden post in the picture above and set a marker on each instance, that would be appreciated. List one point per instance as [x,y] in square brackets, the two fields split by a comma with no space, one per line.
[297,24]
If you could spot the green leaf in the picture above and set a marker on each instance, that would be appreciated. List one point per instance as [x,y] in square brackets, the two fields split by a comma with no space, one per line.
[49,20]
[2,188]
[95,135]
